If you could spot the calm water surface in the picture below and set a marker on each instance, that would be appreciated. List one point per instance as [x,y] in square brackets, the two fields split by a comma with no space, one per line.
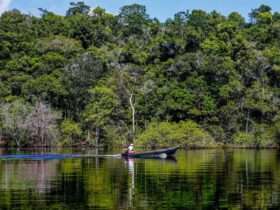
[197,179]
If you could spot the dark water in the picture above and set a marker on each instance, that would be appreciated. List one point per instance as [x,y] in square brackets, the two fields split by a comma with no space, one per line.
[198,179]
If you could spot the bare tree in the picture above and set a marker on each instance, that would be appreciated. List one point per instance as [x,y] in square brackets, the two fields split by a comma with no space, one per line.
[128,93]
[41,124]
[132,105]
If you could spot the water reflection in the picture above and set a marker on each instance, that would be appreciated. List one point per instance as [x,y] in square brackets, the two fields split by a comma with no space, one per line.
[199,179]
[26,175]
[131,182]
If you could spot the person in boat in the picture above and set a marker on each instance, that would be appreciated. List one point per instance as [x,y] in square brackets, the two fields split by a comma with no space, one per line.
[130,149]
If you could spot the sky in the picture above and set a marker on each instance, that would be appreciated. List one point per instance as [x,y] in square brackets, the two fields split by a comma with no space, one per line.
[161,9]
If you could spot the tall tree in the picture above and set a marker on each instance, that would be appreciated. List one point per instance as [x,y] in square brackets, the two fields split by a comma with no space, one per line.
[78,8]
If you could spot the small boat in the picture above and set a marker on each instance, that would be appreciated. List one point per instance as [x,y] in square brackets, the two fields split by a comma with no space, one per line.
[161,153]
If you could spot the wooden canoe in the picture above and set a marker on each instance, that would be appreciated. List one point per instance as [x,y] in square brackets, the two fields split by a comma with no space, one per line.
[161,153]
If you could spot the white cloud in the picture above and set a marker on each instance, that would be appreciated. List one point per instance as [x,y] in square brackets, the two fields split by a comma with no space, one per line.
[4,5]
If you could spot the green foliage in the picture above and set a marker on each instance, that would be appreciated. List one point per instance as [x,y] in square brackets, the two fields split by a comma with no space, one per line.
[244,139]
[102,106]
[78,8]
[115,74]
[186,133]
[133,18]
[101,111]
[262,137]
[12,119]
[70,131]
[262,11]
[59,44]
[214,46]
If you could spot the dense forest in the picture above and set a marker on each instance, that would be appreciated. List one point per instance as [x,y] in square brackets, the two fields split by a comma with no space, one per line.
[197,79]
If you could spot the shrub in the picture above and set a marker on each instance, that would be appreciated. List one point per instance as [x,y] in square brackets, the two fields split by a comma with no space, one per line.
[186,133]
[12,121]
[244,139]
[70,130]
[262,136]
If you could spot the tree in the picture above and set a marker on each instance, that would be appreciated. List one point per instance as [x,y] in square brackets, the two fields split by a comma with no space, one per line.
[235,17]
[70,131]
[256,13]
[41,125]
[113,75]
[79,76]
[13,117]
[101,110]
[133,19]
[127,89]
[78,8]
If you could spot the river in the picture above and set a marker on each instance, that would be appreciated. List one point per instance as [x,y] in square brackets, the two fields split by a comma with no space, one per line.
[194,179]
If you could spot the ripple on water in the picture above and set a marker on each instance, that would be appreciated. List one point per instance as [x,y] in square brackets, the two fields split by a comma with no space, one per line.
[196,179]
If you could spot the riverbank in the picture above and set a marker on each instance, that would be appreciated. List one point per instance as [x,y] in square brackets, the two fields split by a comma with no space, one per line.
[139,147]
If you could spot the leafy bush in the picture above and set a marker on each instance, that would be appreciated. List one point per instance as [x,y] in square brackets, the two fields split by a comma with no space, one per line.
[186,133]
[267,139]
[70,130]
[244,139]
[262,136]
[12,121]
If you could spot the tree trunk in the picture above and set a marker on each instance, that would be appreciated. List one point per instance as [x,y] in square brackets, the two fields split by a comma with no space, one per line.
[247,121]
[133,115]
[97,136]
[16,136]
[17,142]
[88,136]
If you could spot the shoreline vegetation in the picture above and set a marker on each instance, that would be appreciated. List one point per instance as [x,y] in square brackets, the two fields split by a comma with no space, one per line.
[137,148]
[199,79]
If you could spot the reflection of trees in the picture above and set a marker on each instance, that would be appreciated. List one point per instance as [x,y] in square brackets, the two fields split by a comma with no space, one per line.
[213,179]
[26,175]
[24,184]
[174,184]
[105,186]
[257,177]
[200,179]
